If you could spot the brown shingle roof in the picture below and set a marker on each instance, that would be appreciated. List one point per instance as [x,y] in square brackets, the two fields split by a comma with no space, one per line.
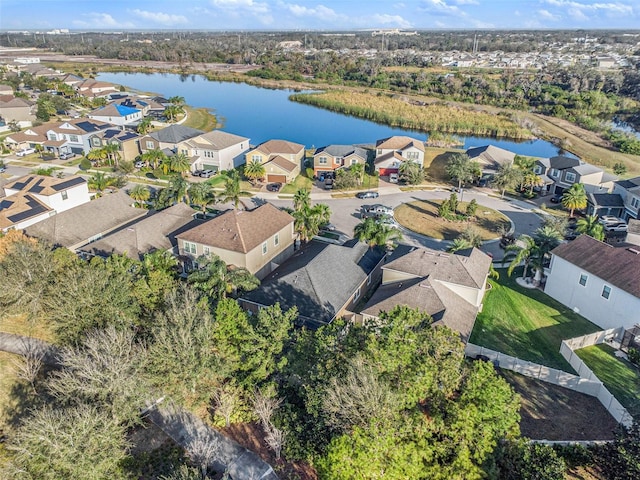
[284,147]
[283,163]
[20,207]
[219,139]
[399,143]
[239,230]
[466,267]
[618,266]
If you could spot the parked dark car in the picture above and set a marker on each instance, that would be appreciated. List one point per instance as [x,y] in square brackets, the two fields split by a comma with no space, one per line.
[274,187]
[368,194]
[506,240]
[196,173]
[556,199]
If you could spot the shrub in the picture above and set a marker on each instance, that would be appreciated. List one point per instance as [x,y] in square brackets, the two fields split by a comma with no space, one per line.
[472,207]
[85,164]
[634,356]
[444,210]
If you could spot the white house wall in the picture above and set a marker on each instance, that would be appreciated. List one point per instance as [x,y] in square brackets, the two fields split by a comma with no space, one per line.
[563,284]
[75,196]
[470,294]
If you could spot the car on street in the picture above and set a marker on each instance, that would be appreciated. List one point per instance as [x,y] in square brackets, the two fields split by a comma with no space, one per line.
[274,187]
[388,221]
[368,194]
[373,210]
[24,152]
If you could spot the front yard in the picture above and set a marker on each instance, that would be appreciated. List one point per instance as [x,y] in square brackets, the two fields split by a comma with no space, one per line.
[526,323]
[620,377]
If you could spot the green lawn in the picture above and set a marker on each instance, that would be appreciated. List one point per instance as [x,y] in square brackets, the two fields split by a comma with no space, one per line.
[301,181]
[527,323]
[620,377]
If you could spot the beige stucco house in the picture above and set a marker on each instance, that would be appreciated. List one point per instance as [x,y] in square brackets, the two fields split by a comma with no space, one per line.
[215,150]
[393,151]
[258,240]
[282,159]
[333,157]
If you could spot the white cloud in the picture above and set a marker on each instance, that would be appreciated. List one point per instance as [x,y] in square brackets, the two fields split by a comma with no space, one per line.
[547,15]
[100,20]
[440,7]
[319,12]
[161,18]
[394,20]
[610,8]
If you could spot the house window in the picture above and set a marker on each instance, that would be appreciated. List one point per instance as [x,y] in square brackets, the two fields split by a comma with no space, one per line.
[337,160]
[570,177]
[190,247]
[635,202]
[149,145]
[356,295]
[553,172]
[95,141]
[206,251]
[276,239]
[379,151]
[354,161]
[256,158]
[65,195]
[412,155]
[537,170]
[583,280]
[606,292]
[52,137]
[322,160]
[264,248]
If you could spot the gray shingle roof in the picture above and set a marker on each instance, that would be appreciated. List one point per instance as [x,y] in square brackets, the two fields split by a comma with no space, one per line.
[318,280]
[78,225]
[618,266]
[562,162]
[605,199]
[342,151]
[175,134]
[491,155]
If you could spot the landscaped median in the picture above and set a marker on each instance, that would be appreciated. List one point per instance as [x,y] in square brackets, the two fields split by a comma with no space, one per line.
[422,217]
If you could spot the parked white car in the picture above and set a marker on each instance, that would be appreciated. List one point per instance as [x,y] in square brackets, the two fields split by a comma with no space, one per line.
[26,151]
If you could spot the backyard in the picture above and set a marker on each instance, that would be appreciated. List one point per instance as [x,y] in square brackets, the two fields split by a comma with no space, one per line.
[620,377]
[526,323]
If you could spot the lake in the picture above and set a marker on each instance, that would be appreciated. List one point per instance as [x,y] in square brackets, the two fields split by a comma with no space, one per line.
[262,114]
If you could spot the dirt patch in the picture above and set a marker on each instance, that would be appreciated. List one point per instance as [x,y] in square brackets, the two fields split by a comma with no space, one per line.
[550,412]
[251,435]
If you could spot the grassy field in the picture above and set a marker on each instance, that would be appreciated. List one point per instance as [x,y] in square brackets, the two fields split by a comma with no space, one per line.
[435,163]
[200,119]
[620,377]
[422,217]
[301,182]
[526,323]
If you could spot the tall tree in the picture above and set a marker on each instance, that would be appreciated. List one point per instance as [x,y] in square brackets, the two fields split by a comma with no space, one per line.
[574,198]
[374,233]
[411,172]
[462,169]
[140,194]
[232,191]
[508,176]
[217,280]
[523,251]
[201,194]
[179,163]
[254,170]
[153,157]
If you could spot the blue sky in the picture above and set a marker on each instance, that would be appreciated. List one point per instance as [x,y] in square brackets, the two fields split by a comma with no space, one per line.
[317,15]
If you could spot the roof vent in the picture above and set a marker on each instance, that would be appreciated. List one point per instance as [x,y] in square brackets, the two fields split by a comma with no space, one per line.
[633,250]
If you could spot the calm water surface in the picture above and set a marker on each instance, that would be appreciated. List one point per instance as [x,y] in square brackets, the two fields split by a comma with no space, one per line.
[262,114]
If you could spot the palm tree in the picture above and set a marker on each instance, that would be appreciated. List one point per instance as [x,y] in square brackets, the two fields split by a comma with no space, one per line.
[590,226]
[140,194]
[172,111]
[411,172]
[358,170]
[462,169]
[112,152]
[301,200]
[574,198]
[201,194]
[153,157]
[374,233]
[306,224]
[217,279]
[254,170]
[530,179]
[144,126]
[160,260]
[508,176]
[177,100]
[179,163]
[524,251]
[179,188]
[165,165]
[97,155]
[99,181]
[232,190]
[322,211]
[459,244]
[547,238]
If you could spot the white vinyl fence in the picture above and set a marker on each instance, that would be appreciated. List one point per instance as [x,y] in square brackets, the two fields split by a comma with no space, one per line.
[588,384]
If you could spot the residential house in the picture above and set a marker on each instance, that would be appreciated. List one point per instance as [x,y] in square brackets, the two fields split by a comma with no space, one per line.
[88,222]
[282,159]
[629,191]
[73,135]
[128,142]
[6,89]
[168,138]
[215,150]
[393,151]
[333,157]
[258,240]
[448,286]
[28,138]
[16,109]
[600,204]
[596,280]
[117,115]
[72,80]
[560,172]
[146,105]
[33,198]
[322,280]
[157,231]
[490,157]
[94,88]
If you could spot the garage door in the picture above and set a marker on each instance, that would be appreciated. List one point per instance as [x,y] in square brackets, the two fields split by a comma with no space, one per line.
[276,178]
[387,171]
